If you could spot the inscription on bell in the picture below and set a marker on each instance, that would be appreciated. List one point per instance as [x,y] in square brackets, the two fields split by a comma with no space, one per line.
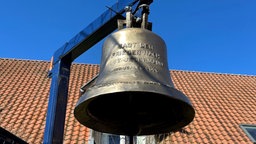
[136,56]
[137,45]
[128,82]
[122,52]
[151,69]
[141,60]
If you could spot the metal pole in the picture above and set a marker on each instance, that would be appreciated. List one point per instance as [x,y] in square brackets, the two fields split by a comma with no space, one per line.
[129,16]
[145,12]
[56,112]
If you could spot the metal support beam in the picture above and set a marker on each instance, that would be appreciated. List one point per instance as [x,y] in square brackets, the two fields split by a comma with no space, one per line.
[56,112]
[62,59]
[94,32]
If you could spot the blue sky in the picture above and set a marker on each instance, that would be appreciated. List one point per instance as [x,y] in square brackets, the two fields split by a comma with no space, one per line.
[201,35]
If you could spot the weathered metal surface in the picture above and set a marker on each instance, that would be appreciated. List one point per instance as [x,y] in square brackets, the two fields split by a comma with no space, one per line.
[134,94]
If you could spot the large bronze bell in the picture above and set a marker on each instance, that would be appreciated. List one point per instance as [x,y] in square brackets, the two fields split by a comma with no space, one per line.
[133,93]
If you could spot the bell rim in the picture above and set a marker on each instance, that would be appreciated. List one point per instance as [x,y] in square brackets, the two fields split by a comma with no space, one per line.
[90,123]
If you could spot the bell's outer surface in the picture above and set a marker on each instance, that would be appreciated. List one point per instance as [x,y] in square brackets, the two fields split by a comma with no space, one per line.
[134,94]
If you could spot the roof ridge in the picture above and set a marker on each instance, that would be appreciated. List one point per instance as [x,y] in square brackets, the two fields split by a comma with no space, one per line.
[217,73]
[20,59]
[80,63]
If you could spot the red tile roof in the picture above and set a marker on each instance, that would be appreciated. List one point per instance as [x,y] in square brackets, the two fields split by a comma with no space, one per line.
[222,103]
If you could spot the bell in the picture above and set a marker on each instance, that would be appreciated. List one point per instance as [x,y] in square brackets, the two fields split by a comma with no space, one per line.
[133,93]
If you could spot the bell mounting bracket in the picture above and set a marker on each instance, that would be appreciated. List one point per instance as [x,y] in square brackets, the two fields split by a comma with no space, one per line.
[133,20]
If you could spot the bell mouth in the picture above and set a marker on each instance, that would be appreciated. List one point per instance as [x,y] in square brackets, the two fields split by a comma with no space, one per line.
[134,113]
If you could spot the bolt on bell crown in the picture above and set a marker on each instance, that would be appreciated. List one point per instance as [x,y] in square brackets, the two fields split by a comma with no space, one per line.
[133,93]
